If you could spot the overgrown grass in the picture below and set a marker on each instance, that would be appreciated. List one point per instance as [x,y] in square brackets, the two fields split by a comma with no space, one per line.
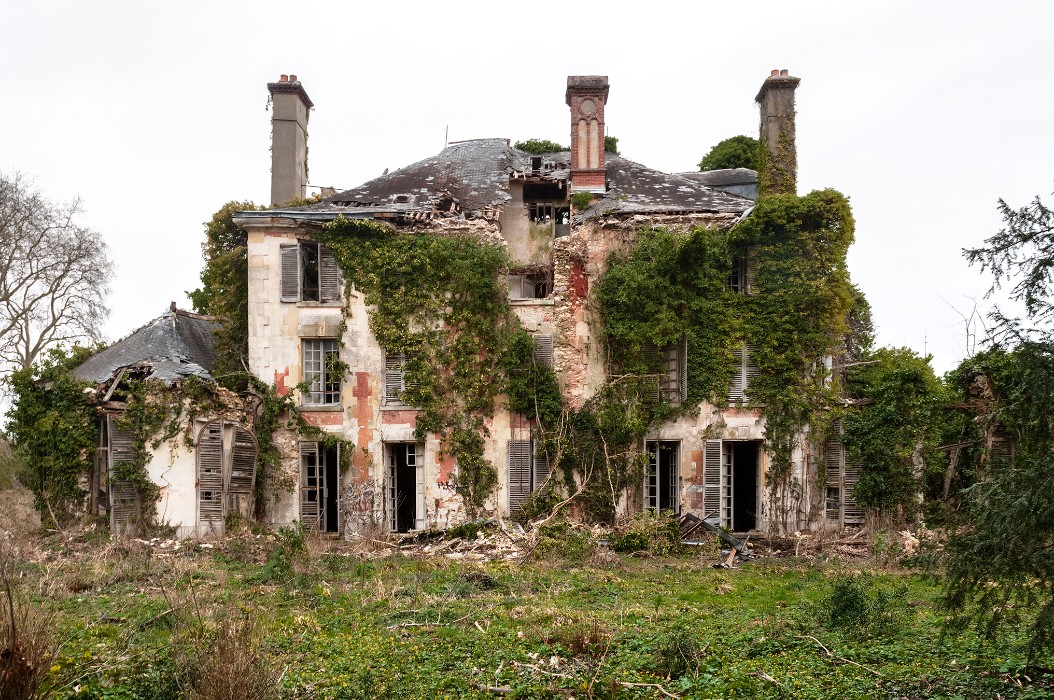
[139,623]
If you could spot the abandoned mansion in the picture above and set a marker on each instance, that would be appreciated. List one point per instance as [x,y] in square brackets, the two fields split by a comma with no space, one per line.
[414,416]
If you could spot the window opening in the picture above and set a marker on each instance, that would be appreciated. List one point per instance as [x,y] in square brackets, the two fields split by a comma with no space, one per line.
[663,478]
[530,285]
[321,372]
[731,483]
[309,273]
[672,377]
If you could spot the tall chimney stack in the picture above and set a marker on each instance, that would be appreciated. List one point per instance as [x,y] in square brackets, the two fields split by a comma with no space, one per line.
[586,96]
[778,173]
[290,107]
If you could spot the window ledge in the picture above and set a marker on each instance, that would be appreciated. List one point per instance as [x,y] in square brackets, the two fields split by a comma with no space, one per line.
[398,407]
[321,408]
[548,301]
[318,304]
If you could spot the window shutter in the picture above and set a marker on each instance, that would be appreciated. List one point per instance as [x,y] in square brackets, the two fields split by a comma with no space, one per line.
[310,483]
[749,271]
[650,351]
[290,261]
[853,514]
[329,275]
[736,392]
[394,377]
[122,494]
[243,462]
[519,473]
[541,465]
[834,465]
[211,511]
[543,350]
[682,370]
[750,370]
[420,521]
[712,481]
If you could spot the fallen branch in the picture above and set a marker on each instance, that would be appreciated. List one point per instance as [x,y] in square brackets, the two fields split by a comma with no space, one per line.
[627,684]
[517,664]
[493,689]
[767,677]
[835,656]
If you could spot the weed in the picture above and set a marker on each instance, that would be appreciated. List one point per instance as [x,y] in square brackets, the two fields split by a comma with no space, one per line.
[27,645]
[233,667]
[655,533]
[564,540]
[859,606]
[678,652]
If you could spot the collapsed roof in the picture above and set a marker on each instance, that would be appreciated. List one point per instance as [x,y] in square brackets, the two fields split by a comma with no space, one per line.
[471,179]
[175,345]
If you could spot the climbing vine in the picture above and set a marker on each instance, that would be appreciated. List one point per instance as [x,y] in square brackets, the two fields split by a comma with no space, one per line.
[676,286]
[441,300]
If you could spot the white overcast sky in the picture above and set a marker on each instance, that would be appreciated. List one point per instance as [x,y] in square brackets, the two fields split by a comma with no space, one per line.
[923,113]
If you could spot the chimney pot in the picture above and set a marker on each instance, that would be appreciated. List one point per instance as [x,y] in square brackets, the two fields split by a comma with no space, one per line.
[782,72]
[774,73]
[292,78]
[283,78]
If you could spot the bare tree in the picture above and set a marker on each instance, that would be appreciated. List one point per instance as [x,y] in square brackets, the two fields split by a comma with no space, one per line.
[54,274]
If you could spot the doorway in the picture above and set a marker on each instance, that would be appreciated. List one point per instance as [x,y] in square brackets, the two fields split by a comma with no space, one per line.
[740,484]
[661,485]
[405,486]
[320,486]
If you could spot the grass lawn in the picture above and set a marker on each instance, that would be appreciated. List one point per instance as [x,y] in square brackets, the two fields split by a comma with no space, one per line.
[323,621]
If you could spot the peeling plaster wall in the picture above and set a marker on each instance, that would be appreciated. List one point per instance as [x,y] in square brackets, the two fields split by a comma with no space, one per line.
[173,467]
[569,314]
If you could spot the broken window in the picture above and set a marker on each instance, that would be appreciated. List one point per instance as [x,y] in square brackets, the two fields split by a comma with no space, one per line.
[530,285]
[320,486]
[672,378]
[528,471]
[741,279]
[745,372]
[662,484]
[309,273]
[840,482]
[322,372]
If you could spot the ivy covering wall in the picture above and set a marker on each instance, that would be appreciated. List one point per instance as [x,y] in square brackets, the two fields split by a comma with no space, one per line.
[676,285]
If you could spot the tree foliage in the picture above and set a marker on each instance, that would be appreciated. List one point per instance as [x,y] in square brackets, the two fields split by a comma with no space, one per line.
[895,430]
[1002,560]
[734,152]
[540,146]
[224,290]
[51,426]
[54,274]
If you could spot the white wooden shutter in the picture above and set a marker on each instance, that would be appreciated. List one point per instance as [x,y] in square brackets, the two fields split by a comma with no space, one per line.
[834,465]
[311,482]
[712,481]
[519,473]
[211,510]
[290,262]
[852,513]
[123,498]
[750,370]
[737,391]
[543,350]
[329,275]
[394,377]
[417,450]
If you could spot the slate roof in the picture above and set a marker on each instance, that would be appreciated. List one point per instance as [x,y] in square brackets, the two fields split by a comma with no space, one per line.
[177,344]
[729,176]
[471,179]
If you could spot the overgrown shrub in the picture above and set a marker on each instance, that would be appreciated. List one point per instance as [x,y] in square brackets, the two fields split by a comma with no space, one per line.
[651,532]
[562,539]
[858,605]
[234,667]
[678,652]
[27,645]
[291,548]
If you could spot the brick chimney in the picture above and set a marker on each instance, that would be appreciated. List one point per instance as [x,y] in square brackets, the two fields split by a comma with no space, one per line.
[290,106]
[778,173]
[586,96]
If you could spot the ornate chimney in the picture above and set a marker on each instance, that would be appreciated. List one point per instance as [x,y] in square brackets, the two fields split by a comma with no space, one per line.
[586,96]
[290,107]
[778,173]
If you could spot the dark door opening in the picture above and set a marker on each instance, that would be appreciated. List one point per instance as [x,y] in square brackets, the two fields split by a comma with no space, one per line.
[320,486]
[661,486]
[403,485]
[745,485]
